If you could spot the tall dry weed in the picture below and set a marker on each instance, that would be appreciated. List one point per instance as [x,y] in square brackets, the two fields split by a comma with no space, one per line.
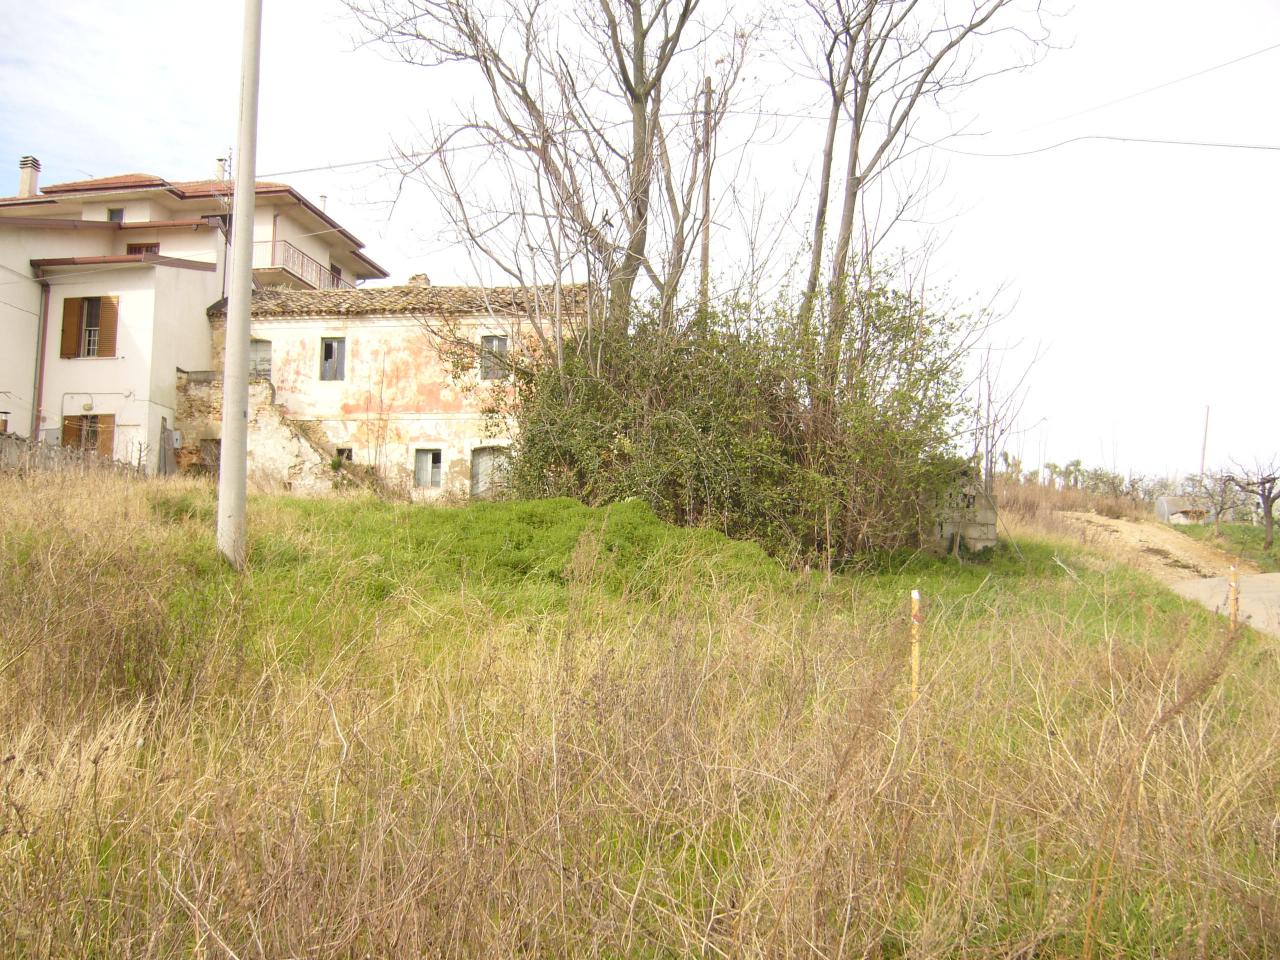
[663,773]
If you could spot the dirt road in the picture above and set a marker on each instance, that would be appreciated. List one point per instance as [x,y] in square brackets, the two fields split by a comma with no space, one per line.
[1157,548]
[1194,569]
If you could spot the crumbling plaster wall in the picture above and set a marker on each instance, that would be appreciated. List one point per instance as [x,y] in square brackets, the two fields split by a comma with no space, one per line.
[400,392]
[279,453]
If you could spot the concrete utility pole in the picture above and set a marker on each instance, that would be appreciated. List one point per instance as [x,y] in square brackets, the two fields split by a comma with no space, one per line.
[235,377]
[704,288]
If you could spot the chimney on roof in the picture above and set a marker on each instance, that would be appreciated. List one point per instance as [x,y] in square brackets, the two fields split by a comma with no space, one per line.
[419,280]
[221,169]
[324,202]
[28,176]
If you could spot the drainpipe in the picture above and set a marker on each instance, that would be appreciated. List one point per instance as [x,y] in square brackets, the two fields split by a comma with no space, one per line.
[42,334]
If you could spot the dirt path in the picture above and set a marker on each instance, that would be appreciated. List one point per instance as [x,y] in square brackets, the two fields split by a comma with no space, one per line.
[1158,549]
[1193,569]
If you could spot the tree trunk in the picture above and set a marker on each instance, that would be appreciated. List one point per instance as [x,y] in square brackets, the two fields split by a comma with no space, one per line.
[824,188]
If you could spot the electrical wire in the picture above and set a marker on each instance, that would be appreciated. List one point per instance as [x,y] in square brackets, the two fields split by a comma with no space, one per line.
[1114,138]
[936,145]
[1159,86]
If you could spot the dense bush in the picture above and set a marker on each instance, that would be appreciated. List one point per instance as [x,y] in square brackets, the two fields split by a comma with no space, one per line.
[818,440]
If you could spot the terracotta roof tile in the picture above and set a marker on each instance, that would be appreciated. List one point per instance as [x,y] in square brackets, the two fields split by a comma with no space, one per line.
[197,188]
[408,299]
[122,181]
[183,189]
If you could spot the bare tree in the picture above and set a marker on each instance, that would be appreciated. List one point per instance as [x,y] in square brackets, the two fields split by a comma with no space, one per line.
[582,158]
[879,61]
[1219,492]
[1262,480]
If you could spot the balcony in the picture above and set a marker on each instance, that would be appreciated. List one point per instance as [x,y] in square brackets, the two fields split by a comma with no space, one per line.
[290,267]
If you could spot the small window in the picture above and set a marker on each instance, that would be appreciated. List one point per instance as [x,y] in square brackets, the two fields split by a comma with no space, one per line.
[90,326]
[260,359]
[333,358]
[426,469]
[493,358]
[115,214]
[135,249]
[343,454]
[4,421]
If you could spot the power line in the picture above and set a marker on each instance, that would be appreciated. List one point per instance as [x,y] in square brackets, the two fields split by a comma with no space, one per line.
[1114,138]
[804,116]
[1159,86]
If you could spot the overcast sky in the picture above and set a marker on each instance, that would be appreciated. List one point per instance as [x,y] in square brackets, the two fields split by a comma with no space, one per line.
[1142,274]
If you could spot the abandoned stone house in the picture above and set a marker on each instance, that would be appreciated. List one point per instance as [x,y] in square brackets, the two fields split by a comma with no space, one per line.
[398,379]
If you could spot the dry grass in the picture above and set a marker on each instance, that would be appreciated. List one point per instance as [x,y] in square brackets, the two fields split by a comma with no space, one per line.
[684,765]
[1037,506]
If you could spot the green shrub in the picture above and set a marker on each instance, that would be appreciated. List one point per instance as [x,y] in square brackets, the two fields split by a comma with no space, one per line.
[814,441]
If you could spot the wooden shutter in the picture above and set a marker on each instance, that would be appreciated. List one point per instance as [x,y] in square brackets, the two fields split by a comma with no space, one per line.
[106,432]
[108,321]
[72,315]
[71,431]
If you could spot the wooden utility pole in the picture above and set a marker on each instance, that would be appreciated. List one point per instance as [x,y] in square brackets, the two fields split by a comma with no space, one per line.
[1233,600]
[704,287]
[1204,444]
[232,476]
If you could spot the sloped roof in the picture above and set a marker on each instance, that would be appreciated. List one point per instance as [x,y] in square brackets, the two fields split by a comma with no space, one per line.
[1175,504]
[409,299]
[184,189]
[122,181]
[192,190]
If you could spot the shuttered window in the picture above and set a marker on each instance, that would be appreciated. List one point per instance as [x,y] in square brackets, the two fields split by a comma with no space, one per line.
[89,326]
[96,432]
[134,249]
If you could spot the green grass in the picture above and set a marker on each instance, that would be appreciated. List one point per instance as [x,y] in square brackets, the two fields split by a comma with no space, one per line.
[1240,540]
[541,729]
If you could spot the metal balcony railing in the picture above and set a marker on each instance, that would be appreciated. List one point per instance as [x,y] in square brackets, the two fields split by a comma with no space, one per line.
[307,269]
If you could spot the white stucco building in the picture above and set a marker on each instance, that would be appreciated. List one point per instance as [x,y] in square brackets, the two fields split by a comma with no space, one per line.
[106,286]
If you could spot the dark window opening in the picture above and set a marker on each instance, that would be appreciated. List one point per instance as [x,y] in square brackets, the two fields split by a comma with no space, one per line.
[493,358]
[260,359]
[427,469]
[115,214]
[344,454]
[134,249]
[333,358]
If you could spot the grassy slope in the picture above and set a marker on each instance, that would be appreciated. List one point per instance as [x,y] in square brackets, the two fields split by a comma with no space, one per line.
[546,730]
[1238,539]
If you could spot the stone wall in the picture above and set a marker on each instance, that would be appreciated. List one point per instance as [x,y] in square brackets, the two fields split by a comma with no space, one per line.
[279,453]
[968,521]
